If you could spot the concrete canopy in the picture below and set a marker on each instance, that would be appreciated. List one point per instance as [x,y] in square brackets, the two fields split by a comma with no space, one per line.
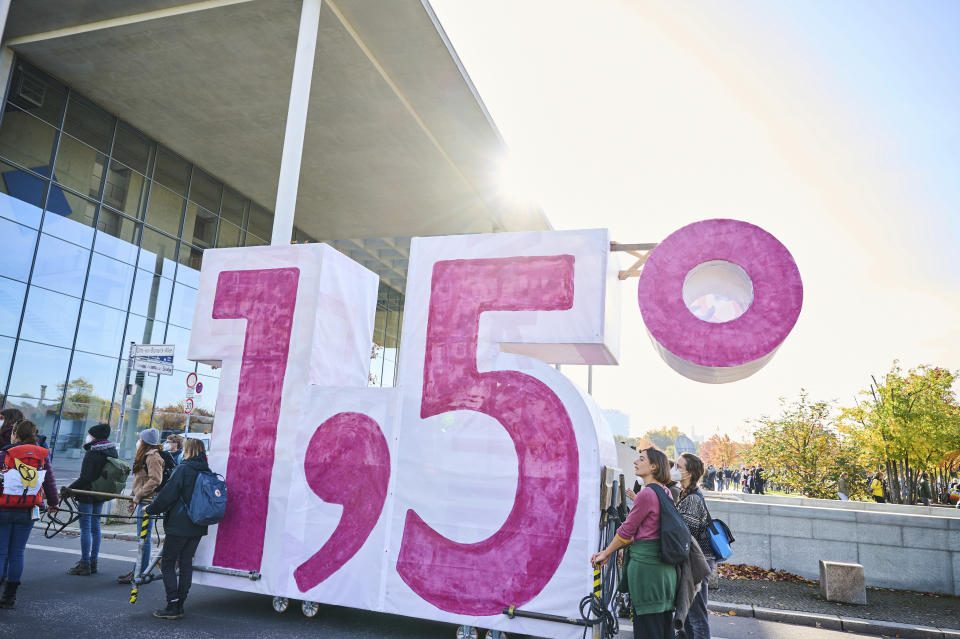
[398,143]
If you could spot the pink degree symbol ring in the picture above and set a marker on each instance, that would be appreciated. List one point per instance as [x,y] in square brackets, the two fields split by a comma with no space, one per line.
[728,351]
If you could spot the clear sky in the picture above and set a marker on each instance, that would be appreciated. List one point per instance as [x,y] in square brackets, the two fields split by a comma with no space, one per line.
[833,125]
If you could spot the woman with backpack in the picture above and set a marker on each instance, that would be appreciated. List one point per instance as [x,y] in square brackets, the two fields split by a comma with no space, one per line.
[182,535]
[693,509]
[27,477]
[99,449]
[148,467]
[652,582]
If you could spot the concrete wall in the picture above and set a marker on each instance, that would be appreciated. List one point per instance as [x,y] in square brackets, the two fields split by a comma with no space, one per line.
[869,506]
[906,551]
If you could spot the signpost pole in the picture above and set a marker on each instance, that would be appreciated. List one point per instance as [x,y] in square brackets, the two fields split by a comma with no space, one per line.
[126,389]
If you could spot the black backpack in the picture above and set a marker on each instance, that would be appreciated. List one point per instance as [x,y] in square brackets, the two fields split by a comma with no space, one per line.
[169,465]
[674,534]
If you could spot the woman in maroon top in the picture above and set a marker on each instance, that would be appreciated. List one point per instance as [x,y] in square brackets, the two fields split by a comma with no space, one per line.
[652,583]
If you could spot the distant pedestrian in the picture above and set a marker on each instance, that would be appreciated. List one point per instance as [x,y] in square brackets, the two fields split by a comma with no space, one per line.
[693,509]
[876,489]
[182,535]
[147,476]
[925,493]
[174,446]
[99,448]
[652,583]
[843,487]
[23,493]
[758,479]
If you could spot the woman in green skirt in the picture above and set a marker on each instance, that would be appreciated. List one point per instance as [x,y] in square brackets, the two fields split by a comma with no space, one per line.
[652,583]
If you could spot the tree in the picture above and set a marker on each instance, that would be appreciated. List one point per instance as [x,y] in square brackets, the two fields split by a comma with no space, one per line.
[663,437]
[906,425]
[722,451]
[799,448]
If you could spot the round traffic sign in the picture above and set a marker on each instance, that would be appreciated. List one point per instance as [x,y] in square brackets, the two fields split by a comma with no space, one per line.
[188,406]
[199,387]
[191,380]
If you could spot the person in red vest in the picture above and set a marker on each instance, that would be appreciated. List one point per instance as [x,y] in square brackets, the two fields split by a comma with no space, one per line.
[27,477]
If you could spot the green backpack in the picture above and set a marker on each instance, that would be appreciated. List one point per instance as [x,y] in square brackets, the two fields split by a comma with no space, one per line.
[113,479]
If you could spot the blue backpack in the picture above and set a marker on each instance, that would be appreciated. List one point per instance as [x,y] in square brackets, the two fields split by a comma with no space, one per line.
[209,500]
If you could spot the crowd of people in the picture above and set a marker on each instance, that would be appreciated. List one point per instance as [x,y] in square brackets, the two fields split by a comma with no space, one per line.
[746,479]
[666,599]
[163,479]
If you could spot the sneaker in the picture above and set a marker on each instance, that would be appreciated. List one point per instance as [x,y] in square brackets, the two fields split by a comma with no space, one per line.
[82,568]
[173,611]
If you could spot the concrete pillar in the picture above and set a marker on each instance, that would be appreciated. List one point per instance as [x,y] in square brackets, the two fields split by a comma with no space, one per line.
[296,123]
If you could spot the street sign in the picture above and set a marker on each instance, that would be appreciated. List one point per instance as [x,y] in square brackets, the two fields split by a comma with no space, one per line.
[153,358]
[199,387]
[191,380]
[188,406]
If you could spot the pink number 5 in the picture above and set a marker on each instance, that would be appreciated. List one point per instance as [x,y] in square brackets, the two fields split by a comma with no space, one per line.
[266,299]
[516,562]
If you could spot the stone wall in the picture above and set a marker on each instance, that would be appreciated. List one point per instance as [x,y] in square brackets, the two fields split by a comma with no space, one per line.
[897,550]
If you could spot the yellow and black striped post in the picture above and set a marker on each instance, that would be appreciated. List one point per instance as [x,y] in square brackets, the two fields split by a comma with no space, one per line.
[597,588]
[144,523]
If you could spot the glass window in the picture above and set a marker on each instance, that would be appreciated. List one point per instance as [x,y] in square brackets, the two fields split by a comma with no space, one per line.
[25,193]
[204,190]
[79,167]
[199,226]
[172,171]
[228,235]
[60,266]
[116,236]
[253,240]
[88,122]
[261,221]
[26,140]
[189,270]
[11,305]
[181,338]
[158,253]
[124,190]
[49,318]
[79,414]
[142,330]
[181,309]
[73,219]
[39,371]
[233,207]
[37,93]
[109,282]
[132,148]
[41,413]
[101,329]
[6,356]
[151,295]
[18,253]
[207,400]
[91,384]
[164,210]
[171,391]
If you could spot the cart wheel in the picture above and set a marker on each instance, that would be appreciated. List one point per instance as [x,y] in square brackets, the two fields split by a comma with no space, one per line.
[280,604]
[309,609]
[467,632]
[495,634]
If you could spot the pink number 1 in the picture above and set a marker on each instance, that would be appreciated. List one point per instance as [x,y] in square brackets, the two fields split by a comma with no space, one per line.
[266,299]
[516,562]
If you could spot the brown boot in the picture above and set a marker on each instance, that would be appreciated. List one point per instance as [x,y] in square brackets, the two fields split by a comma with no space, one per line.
[125,579]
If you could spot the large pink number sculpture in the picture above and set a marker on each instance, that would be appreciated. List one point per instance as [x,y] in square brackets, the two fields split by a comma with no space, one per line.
[517,561]
[266,299]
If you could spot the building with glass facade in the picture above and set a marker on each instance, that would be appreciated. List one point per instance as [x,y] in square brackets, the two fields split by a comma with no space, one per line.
[116,174]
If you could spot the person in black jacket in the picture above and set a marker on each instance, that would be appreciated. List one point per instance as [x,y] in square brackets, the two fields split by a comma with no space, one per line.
[98,448]
[183,536]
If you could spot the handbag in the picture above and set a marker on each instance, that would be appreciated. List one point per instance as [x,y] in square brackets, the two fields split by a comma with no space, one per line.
[719,534]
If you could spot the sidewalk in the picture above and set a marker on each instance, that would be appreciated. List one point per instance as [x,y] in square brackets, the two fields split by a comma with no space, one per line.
[898,606]
[122,531]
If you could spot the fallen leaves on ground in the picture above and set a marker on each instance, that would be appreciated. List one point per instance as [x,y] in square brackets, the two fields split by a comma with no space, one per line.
[755,573]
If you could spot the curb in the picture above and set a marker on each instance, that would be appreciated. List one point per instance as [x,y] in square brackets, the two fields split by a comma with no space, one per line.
[122,536]
[834,622]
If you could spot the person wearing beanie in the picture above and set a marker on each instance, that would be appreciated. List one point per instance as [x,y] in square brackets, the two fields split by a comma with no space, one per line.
[147,477]
[98,449]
